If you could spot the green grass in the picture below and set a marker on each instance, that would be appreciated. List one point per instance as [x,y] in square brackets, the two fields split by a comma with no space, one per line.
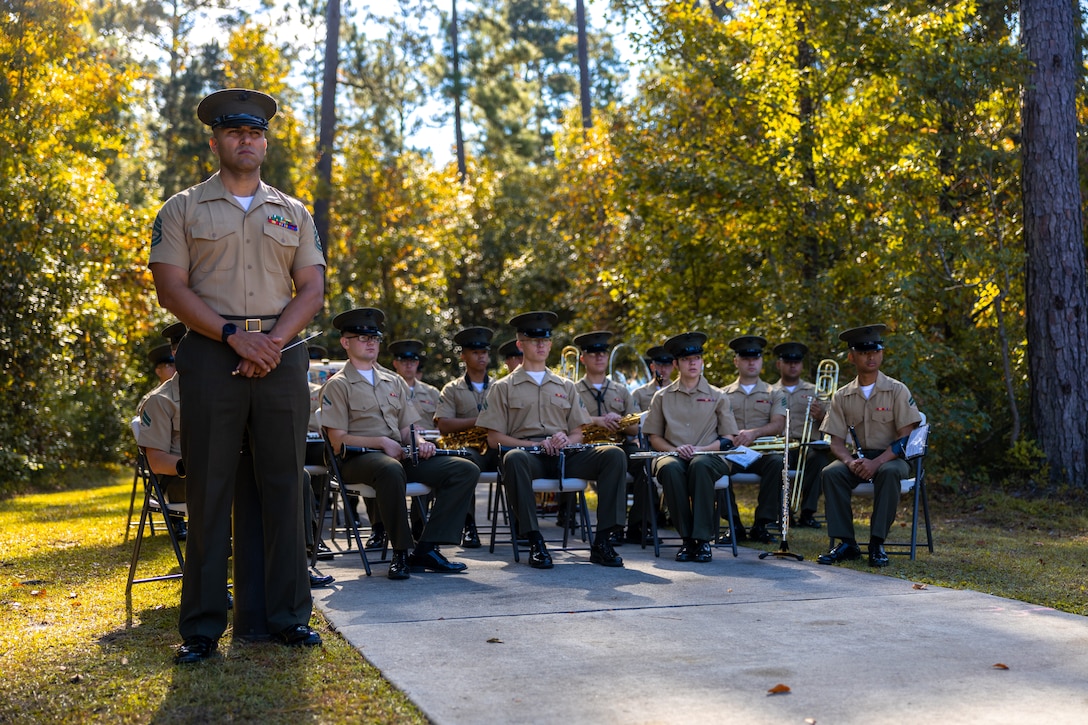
[72,651]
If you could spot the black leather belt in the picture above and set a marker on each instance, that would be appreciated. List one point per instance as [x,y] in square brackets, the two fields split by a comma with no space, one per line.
[255,324]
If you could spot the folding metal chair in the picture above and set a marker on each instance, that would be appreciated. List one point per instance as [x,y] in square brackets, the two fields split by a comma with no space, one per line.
[541,485]
[154,502]
[916,449]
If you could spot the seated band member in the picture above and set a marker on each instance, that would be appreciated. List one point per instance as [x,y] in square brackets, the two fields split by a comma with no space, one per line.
[408,358]
[802,401]
[759,412]
[686,416]
[534,407]
[366,406]
[510,354]
[662,364]
[608,403]
[160,432]
[880,410]
[461,401]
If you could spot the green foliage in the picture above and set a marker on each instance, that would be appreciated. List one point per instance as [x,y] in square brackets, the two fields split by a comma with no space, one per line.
[66,265]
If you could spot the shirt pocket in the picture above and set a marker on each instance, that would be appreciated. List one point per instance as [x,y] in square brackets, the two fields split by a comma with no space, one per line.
[884,416]
[278,248]
[212,245]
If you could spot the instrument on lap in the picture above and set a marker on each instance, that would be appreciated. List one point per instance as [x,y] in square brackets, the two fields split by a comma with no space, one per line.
[474,438]
[600,434]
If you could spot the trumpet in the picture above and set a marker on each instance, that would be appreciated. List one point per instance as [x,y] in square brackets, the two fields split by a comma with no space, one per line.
[827,382]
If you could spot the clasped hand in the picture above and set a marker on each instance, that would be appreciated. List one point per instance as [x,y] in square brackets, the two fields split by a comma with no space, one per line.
[554,443]
[260,353]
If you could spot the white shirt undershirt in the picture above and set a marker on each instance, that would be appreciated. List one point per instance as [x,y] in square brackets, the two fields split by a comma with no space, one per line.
[368,375]
[867,390]
[748,388]
[245,201]
[537,376]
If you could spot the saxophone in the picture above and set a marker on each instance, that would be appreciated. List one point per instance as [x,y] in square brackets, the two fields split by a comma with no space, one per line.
[474,438]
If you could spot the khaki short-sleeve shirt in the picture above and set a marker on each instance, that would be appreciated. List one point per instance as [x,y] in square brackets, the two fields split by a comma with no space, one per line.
[690,417]
[877,420]
[459,399]
[240,263]
[644,394]
[615,398]
[797,402]
[516,406]
[425,398]
[160,418]
[755,409]
[350,403]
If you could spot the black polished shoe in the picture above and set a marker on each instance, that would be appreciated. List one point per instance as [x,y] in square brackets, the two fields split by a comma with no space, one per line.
[702,552]
[602,553]
[808,521]
[615,537]
[877,556]
[324,553]
[726,539]
[181,529]
[434,561]
[759,533]
[398,565]
[539,558]
[299,635]
[317,581]
[843,552]
[684,554]
[378,539]
[470,538]
[196,649]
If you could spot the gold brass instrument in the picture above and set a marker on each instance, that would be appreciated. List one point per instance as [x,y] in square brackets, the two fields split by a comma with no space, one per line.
[600,434]
[627,367]
[474,438]
[569,364]
[771,444]
[827,382]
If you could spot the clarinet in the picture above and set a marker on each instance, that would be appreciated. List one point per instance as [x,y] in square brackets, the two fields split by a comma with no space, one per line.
[858,453]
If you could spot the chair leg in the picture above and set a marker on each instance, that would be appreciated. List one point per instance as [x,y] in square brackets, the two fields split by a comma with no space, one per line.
[727,498]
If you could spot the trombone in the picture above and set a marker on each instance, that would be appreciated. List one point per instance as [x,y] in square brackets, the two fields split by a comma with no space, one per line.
[569,363]
[827,382]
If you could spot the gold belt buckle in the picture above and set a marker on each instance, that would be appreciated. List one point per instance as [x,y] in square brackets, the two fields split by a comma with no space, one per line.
[253,324]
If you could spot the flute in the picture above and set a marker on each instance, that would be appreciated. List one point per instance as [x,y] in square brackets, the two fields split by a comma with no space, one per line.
[640,455]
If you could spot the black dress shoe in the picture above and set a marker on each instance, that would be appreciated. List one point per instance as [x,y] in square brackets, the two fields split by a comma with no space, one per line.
[602,553]
[317,581]
[470,538]
[808,521]
[760,534]
[539,558]
[434,561]
[877,556]
[398,565]
[726,539]
[615,538]
[702,552]
[324,553]
[181,529]
[685,552]
[196,649]
[843,552]
[378,539]
[299,635]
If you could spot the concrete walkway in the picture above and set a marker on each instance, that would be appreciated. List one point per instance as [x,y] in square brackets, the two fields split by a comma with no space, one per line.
[663,642]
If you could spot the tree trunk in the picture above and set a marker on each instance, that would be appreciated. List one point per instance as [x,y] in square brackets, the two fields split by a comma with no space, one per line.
[1056,290]
[326,137]
[583,64]
[458,90]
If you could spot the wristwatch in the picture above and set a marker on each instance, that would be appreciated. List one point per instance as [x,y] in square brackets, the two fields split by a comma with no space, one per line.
[229,329]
